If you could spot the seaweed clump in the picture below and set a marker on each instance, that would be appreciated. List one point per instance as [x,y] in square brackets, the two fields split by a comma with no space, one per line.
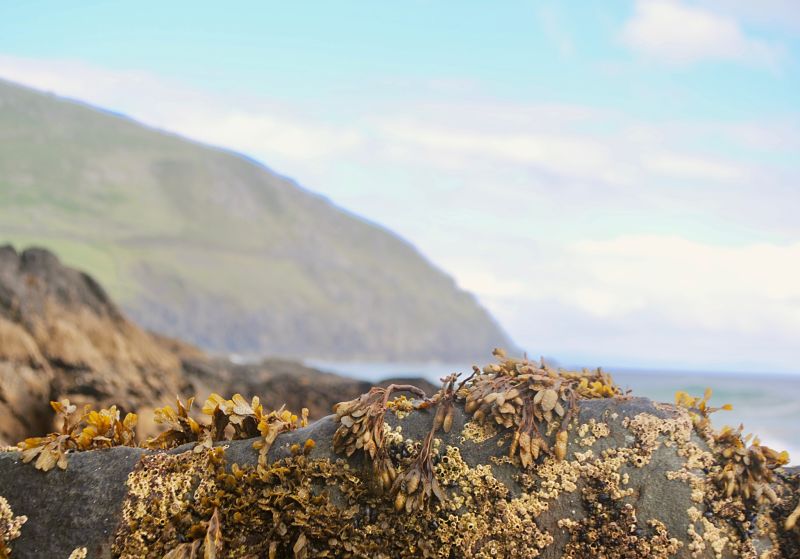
[740,482]
[518,394]
[744,468]
[230,420]
[89,430]
[361,428]
[233,419]
[10,526]
[522,395]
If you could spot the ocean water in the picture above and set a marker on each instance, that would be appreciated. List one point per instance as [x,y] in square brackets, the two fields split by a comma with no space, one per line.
[768,405]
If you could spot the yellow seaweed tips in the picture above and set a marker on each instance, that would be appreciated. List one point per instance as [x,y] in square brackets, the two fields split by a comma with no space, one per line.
[89,430]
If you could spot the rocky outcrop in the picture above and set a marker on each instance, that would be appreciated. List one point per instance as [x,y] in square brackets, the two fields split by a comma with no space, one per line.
[61,336]
[634,483]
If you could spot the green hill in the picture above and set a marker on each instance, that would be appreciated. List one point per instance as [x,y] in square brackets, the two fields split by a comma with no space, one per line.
[204,244]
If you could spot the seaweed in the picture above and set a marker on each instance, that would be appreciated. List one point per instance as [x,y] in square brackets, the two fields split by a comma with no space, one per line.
[89,430]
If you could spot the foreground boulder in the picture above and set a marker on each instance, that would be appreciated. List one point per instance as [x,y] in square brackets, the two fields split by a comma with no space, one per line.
[636,480]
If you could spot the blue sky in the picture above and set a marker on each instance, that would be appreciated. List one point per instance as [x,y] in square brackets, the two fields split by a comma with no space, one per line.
[616,181]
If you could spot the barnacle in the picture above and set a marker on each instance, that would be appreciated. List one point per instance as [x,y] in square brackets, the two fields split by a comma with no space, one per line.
[9,527]
[89,430]
[78,553]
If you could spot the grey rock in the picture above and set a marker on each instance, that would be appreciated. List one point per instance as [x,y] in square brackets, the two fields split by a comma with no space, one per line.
[81,506]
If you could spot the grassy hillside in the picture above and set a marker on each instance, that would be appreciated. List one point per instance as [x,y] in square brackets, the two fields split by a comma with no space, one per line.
[204,244]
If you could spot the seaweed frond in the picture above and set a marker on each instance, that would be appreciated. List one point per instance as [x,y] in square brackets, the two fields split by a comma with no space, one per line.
[414,487]
[361,427]
[520,394]
[89,430]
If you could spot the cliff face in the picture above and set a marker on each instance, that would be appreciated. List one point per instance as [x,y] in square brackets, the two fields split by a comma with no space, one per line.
[210,247]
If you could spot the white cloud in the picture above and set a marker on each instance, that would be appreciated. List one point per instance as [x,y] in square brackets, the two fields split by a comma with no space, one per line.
[570,155]
[260,129]
[692,167]
[547,212]
[681,34]
[662,299]
[775,13]
[696,283]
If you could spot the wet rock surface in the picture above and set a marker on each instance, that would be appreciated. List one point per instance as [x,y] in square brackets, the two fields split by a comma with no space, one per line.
[632,471]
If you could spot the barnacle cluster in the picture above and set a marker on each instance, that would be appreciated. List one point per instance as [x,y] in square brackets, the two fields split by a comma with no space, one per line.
[612,530]
[787,516]
[163,491]
[88,430]
[9,527]
[302,506]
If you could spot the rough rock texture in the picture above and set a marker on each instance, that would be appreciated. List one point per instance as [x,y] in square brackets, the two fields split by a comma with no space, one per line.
[61,336]
[77,507]
[620,452]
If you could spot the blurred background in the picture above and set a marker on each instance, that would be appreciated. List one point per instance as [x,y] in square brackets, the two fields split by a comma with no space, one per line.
[393,189]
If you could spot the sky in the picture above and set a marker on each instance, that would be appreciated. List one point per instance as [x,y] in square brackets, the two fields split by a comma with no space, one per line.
[617,182]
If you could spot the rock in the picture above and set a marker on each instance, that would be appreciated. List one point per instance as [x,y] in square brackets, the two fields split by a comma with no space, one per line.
[632,485]
[77,507]
[61,336]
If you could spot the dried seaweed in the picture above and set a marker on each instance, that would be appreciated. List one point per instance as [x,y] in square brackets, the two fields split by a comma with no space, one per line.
[743,469]
[361,428]
[522,395]
[89,430]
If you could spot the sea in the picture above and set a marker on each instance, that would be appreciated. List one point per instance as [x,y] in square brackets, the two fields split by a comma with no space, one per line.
[768,405]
